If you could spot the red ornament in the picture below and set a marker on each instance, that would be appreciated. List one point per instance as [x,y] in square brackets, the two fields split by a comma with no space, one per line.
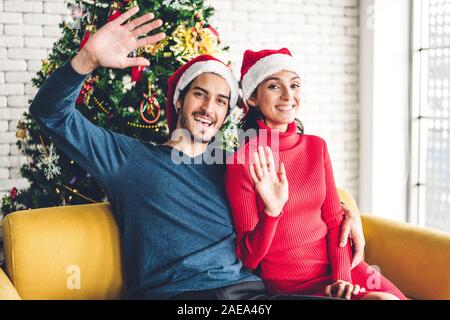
[86,89]
[13,193]
[150,109]
[136,73]
[80,100]
[85,39]
[114,14]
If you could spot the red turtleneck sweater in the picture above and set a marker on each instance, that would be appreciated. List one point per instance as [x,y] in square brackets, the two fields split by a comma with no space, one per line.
[300,247]
[298,251]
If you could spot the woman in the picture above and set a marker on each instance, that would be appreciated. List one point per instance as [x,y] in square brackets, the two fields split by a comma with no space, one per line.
[285,207]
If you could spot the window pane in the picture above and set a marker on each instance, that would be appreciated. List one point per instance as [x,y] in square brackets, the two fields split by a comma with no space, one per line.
[439,23]
[438,174]
[430,191]
[438,77]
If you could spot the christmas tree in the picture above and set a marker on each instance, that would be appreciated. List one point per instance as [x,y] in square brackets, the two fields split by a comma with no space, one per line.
[129,101]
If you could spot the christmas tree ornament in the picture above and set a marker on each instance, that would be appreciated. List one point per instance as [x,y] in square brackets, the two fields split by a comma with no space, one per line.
[198,16]
[191,42]
[48,161]
[86,91]
[13,193]
[21,132]
[90,28]
[153,49]
[150,109]
[136,73]
[128,83]
[48,67]
[115,10]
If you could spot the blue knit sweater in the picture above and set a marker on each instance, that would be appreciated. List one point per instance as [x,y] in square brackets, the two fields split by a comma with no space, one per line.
[174,219]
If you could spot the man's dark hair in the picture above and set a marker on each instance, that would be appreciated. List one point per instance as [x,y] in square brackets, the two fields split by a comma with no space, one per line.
[184,92]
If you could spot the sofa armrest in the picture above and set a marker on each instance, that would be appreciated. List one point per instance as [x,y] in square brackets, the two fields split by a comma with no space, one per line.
[7,290]
[415,259]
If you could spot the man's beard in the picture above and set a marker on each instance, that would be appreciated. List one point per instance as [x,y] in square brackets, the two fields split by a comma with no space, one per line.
[184,123]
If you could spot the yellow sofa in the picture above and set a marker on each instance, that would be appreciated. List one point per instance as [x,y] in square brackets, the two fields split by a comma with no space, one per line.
[73,252]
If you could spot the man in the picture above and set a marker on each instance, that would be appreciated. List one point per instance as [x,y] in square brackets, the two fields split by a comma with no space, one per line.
[174,220]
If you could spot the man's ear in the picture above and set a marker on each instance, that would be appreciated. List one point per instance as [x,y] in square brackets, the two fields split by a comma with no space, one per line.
[178,105]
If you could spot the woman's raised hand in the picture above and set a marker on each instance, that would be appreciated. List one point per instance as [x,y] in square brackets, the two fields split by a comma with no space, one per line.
[272,186]
[110,46]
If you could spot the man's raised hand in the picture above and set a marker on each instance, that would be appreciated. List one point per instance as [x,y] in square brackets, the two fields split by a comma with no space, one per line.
[110,46]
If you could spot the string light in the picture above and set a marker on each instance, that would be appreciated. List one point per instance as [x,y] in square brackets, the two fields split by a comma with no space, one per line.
[140,126]
[144,126]
[75,191]
[99,104]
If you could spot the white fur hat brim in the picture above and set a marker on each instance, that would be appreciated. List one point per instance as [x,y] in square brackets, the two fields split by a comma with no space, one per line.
[265,67]
[209,66]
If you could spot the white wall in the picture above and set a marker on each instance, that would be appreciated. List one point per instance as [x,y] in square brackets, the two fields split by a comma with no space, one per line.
[324,34]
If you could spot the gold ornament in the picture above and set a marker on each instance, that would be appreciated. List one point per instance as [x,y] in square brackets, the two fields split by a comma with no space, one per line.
[21,132]
[191,42]
[91,28]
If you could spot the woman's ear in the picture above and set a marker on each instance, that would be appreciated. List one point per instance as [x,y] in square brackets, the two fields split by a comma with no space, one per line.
[251,101]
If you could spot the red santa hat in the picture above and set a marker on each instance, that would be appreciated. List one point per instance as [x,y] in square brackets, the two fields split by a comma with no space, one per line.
[188,72]
[257,66]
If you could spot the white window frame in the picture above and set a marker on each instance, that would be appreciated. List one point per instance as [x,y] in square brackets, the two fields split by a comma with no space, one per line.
[419,99]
